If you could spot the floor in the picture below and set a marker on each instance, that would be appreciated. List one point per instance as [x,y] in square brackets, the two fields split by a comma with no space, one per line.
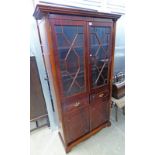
[109,141]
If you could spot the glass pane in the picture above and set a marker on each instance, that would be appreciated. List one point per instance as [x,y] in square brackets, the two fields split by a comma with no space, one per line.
[70,41]
[99,50]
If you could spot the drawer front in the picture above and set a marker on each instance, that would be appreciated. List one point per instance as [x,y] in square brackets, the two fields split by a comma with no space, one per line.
[99,114]
[76,104]
[76,123]
[99,97]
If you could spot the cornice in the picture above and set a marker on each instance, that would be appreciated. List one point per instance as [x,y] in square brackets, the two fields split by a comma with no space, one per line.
[43,10]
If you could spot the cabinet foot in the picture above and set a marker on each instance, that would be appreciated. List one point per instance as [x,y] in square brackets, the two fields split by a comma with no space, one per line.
[68,149]
[108,124]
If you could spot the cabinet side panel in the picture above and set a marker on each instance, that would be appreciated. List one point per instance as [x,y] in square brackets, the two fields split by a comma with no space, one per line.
[112,62]
[48,54]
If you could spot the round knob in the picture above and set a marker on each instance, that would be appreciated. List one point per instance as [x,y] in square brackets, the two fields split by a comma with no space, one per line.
[77,104]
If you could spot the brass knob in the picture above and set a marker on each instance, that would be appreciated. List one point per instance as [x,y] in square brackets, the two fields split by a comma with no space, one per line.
[76,104]
[101,95]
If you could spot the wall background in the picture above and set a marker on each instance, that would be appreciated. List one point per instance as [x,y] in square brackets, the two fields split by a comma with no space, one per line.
[119,60]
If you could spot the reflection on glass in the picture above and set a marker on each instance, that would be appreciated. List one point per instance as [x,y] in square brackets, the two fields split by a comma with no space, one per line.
[71,58]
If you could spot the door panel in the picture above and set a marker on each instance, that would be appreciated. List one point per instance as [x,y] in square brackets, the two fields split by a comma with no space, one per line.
[70,53]
[98,113]
[99,51]
[77,123]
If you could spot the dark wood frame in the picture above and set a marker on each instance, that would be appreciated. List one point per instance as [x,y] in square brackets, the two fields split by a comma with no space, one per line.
[68,22]
[48,15]
[36,122]
[100,24]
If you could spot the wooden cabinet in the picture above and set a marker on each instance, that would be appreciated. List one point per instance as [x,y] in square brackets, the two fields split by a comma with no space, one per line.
[38,110]
[78,49]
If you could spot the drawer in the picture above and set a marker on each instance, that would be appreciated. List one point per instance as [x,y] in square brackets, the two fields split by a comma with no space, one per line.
[100,96]
[76,104]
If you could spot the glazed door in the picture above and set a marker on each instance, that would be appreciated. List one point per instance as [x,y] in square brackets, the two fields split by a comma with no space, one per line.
[100,36]
[70,55]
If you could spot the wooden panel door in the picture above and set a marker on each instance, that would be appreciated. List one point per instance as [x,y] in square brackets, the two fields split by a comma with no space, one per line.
[100,41]
[70,54]
[77,123]
[98,114]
